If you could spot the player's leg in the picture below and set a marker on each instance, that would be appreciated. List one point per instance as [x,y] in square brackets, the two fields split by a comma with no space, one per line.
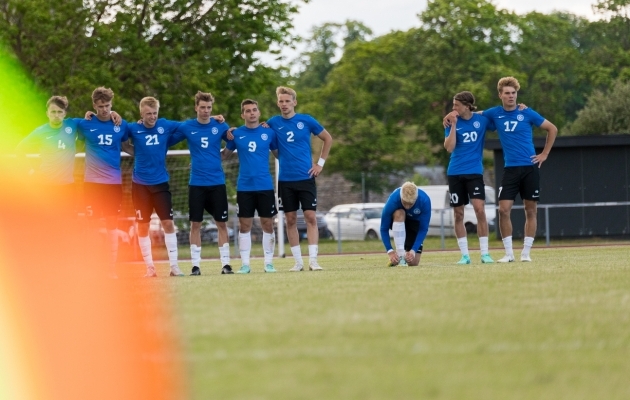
[217,205]
[458,199]
[141,198]
[163,205]
[308,200]
[266,206]
[507,193]
[111,211]
[477,194]
[530,194]
[246,208]
[196,200]
[411,233]
[290,203]
[398,229]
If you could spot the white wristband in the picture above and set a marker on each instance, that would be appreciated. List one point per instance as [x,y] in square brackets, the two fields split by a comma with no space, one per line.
[390,251]
[321,162]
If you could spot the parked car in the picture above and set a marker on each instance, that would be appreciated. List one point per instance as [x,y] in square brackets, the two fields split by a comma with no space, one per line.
[322,226]
[209,231]
[357,221]
[440,206]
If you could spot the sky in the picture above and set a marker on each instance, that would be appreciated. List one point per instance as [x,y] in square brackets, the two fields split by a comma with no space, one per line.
[387,15]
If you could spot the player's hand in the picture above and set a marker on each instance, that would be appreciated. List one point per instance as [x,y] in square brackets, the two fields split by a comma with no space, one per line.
[410,256]
[449,118]
[140,122]
[521,106]
[393,257]
[539,159]
[88,115]
[315,170]
[230,135]
[219,118]
[264,124]
[116,118]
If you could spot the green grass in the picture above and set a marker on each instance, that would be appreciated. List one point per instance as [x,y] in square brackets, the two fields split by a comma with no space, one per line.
[557,328]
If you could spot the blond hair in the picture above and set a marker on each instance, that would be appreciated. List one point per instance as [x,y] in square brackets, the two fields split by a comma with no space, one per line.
[285,90]
[409,193]
[103,94]
[201,96]
[508,81]
[149,102]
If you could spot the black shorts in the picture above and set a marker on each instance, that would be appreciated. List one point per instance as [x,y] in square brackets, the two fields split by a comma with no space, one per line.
[102,199]
[465,187]
[263,201]
[412,227]
[297,194]
[146,198]
[209,198]
[520,180]
[62,199]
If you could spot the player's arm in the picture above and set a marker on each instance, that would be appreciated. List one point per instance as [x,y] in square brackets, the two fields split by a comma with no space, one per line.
[316,169]
[127,147]
[451,140]
[219,118]
[552,133]
[226,153]
[386,221]
[275,153]
[29,145]
[448,119]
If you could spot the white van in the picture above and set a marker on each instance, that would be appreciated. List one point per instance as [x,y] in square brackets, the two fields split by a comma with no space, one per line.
[441,211]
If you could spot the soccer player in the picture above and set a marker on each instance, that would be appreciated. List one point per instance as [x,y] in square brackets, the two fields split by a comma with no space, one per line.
[104,141]
[206,187]
[296,183]
[149,185]
[407,213]
[520,175]
[55,142]
[254,190]
[464,140]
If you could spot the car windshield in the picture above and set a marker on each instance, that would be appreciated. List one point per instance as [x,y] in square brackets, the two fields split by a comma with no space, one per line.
[371,213]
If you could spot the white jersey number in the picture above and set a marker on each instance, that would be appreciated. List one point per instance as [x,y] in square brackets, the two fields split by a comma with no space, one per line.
[454,198]
[510,126]
[290,136]
[152,140]
[204,142]
[252,147]
[61,145]
[470,136]
[105,140]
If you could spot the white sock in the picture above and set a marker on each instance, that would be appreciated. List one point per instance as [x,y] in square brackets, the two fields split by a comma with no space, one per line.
[528,242]
[268,242]
[398,229]
[245,246]
[224,251]
[297,254]
[312,252]
[170,240]
[463,245]
[145,250]
[507,243]
[483,244]
[195,255]
[112,236]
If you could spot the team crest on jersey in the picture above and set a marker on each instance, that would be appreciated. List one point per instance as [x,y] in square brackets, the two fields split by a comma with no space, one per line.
[264,136]
[300,125]
[520,117]
[68,130]
[416,211]
[215,130]
[476,124]
[117,129]
[160,130]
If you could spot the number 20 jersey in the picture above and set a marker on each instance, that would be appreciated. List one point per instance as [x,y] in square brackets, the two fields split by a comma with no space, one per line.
[467,157]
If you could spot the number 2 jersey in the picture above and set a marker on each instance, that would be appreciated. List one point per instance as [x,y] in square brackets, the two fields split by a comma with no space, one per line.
[467,157]
[103,143]
[149,150]
[294,145]
[515,133]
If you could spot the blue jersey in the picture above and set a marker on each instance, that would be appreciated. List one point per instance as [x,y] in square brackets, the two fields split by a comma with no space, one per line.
[103,142]
[204,143]
[421,212]
[294,145]
[56,148]
[253,146]
[149,149]
[515,133]
[467,157]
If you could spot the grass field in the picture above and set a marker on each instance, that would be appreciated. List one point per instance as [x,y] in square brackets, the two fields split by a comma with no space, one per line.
[556,328]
